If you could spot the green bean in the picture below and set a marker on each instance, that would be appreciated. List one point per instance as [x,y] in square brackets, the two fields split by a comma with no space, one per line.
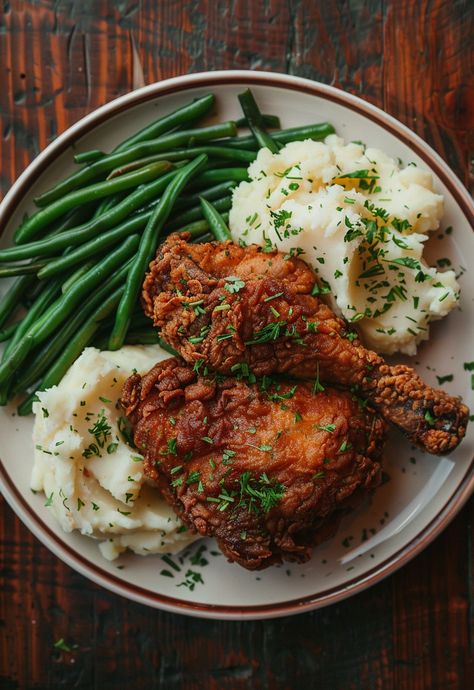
[212,177]
[106,204]
[221,152]
[4,395]
[73,349]
[26,407]
[76,275]
[255,121]
[199,227]
[217,164]
[195,213]
[272,121]
[44,356]
[284,136]
[7,332]
[143,336]
[217,224]
[207,237]
[61,309]
[49,293]
[138,320]
[169,142]
[148,243]
[41,218]
[212,193]
[165,346]
[88,156]
[87,250]
[11,299]
[187,200]
[185,114]
[196,229]
[29,297]
[76,216]
[21,269]
[78,235]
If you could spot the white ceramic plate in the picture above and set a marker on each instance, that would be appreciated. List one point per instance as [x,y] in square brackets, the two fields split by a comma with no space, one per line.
[424,492]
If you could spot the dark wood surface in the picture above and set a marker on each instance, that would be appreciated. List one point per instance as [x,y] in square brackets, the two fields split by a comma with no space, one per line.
[59,59]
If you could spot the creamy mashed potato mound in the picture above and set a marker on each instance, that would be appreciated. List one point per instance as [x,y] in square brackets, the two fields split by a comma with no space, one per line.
[361,221]
[92,477]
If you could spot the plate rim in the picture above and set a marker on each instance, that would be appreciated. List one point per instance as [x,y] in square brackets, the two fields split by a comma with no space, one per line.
[67,553]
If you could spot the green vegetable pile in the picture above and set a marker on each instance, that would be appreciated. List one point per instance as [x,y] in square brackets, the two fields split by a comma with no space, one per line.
[79,261]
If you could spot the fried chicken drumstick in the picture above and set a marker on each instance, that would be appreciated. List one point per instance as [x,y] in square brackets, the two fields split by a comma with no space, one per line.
[267,472]
[231,307]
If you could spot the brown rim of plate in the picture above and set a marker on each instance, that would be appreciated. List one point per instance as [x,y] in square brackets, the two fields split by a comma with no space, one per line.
[330,595]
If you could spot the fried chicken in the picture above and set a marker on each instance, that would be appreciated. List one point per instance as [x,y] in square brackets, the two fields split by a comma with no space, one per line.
[267,470]
[231,307]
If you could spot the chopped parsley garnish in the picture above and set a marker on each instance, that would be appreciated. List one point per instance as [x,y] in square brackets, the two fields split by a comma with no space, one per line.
[125,429]
[259,495]
[323,288]
[193,477]
[167,559]
[345,445]
[171,447]
[444,379]
[326,427]
[317,385]
[62,645]
[280,219]
[101,431]
[234,284]
[271,331]
[264,448]
[407,261]
[192,578]
[268,299]
[429,418]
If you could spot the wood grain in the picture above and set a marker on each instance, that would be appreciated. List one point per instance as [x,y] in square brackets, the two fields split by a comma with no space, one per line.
[60,59]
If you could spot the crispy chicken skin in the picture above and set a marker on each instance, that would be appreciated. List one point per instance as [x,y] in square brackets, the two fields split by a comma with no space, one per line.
[268,473]
[227,305]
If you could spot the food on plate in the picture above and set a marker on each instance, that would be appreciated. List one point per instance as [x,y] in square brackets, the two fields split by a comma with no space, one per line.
[267,469]
[239,450]
[228,307]
[361,220]
[87,465]
[100,227]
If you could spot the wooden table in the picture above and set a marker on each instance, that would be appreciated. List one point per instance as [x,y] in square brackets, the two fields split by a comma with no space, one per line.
[60,59]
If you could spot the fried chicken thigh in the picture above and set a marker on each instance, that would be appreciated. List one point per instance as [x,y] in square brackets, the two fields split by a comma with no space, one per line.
[231,307]
[268,470]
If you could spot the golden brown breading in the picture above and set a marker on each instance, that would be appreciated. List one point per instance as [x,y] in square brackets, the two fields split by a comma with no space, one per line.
[267,472]
[226,306]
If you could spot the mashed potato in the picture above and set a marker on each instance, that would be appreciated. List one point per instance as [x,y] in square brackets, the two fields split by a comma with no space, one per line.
[92,478]
[361,221]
